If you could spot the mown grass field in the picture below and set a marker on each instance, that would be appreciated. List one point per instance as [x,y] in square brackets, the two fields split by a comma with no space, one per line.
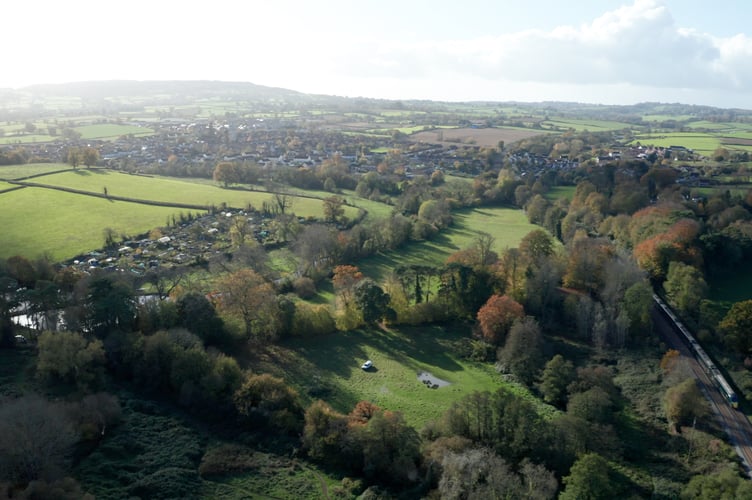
[328,368]
[36,221]
[111,131]
[700,142]
[507,225]
[175,191]
[12,172]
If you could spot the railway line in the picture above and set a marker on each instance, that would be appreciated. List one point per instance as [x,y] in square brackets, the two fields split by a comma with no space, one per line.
[722,398]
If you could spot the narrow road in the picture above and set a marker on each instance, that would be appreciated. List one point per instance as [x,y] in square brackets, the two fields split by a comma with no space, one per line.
[734,422]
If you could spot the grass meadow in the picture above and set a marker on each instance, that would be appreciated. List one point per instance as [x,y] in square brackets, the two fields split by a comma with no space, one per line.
[170,190]
[38,221]
[111,131]
[26,139]
[507,225]
[558,192]
[13,172]
[700,142]
[328,368]
[581,125]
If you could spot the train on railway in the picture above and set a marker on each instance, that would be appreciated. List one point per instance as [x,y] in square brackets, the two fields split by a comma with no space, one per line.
[699,353]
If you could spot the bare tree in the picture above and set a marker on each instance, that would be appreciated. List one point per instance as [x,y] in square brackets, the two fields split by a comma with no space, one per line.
[36,437]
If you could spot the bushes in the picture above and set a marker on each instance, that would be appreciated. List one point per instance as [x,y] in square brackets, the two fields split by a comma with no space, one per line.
[170,482]
[227,459]
[312,320]
[36,439]
[266,400]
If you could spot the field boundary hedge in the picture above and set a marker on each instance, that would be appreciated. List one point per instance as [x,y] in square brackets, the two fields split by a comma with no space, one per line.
[155,203]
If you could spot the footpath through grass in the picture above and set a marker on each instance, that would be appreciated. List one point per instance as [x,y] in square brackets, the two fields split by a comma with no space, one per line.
[328,368]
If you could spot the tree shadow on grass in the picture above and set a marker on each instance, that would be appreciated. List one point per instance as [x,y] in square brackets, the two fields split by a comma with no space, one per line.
[416,347]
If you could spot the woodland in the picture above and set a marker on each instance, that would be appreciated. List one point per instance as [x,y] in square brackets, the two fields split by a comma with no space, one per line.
[237,373]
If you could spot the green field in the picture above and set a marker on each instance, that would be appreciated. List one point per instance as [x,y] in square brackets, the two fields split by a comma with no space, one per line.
[170,190]
[581,125]
[26,139]
[11,172]
[35,221]
[557,192]
[663,118]
[328,368]
[507,225]
[697,141]
[111,131]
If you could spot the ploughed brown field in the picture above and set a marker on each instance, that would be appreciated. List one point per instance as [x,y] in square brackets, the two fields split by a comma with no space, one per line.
[488,137]
[736,141]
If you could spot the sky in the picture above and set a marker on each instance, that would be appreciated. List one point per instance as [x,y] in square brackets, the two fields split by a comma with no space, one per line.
[594,51]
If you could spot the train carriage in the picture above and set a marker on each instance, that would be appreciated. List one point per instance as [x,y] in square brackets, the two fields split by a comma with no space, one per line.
[699,353]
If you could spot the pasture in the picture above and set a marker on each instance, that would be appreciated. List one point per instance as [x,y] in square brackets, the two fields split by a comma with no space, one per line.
[485,137]
[328,368]
[700,142]
[171,190]
[667,117]
[107,131]
[38,221]
[581,125]
[507,225]
[26,139]
[13,172]
[559,192]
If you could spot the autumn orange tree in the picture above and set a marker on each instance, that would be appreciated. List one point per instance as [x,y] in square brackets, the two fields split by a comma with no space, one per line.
[496,317]
[676,243]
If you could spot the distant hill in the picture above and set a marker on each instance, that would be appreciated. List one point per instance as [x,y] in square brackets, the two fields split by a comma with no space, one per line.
[33,100]
[188,89]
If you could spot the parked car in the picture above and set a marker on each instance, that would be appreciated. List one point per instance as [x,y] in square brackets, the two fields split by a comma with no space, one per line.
[368,364]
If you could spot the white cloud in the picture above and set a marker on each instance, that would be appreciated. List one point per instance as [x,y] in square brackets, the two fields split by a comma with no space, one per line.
[634,52]
[639,44]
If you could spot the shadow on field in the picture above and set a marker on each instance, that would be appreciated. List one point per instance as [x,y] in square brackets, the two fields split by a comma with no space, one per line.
[90,171]
[414,346]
